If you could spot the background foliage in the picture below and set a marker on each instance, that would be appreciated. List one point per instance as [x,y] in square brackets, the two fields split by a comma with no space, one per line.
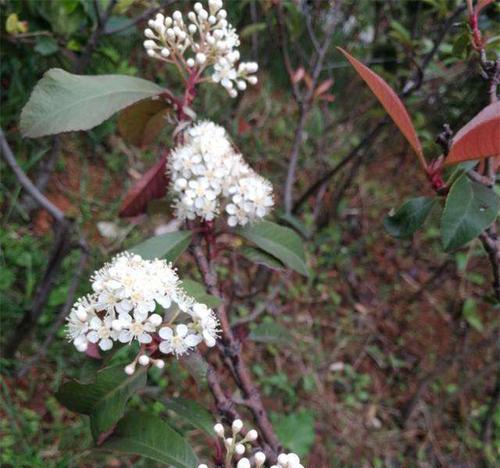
[385,354]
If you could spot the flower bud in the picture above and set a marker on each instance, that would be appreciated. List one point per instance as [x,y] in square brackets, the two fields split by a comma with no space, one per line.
[219,429]
[149,44]
[143,360]
[243,463]
[190,62]
[159,363]
[203,466]
[252,435]
[130,369]
[149,33]
[192,28]
[283,459]
[177,16]
[260,458]
[198,6]
[201,58]
[164,53]
[239,449]
[237,426]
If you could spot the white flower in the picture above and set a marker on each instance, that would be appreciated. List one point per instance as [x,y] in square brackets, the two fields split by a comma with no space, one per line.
[137,327]
[205,323]
[78,322]
[127,292]
[206,172]
[179,341]
[101,332]
[205,41]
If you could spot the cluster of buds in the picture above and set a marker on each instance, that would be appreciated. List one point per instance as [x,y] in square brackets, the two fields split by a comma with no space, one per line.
[240,452]
[206,173]
[140,300]
[205,42]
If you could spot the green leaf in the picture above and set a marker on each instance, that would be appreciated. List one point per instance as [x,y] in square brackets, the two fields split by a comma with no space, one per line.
[193,413]
[103,400]
[261,258]
[169,246]
[279,241]
[470,314]
[295,223]
[63,102]
[142,122]
[198,291]
[196,366]
[295,431]
[151,437]
[409,217]
[470,208]
[46,45]
[271,332]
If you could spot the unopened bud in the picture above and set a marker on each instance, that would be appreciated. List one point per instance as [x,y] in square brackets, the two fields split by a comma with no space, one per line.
[219,429]
[237,426]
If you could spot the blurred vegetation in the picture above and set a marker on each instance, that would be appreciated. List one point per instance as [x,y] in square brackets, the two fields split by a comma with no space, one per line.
[379,317]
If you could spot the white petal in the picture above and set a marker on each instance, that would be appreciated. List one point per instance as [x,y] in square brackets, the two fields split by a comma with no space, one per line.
[105,344]
[181,330]
[165,347]
[93,336]
[166,333]
[193,340]
[145,338]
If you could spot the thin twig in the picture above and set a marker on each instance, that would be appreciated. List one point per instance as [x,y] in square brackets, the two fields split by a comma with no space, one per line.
[232,350]
[26,183]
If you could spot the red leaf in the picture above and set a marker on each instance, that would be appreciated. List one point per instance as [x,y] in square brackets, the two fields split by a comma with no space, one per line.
[323,87]
[140,123]
[480,138]
[150,186]
[391,102]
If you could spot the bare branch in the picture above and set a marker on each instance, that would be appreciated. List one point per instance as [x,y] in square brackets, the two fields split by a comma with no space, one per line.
[26,183]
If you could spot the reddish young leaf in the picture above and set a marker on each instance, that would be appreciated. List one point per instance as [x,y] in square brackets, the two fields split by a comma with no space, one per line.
[480,138]
[150,186]
[323,87]
[140,123]
[391,102]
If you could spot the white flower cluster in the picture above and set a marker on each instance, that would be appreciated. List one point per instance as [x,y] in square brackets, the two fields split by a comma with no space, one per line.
[207,41]
[237,446]
[206,172]
[132,298]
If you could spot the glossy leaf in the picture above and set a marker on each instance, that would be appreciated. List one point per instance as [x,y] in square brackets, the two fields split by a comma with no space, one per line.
[63,102]
[409,217]
[198,291]
[470,208]
[168,246]
[151,437]
[278,241]
[260,257]
[390,101]
[104,400]
[480,138]
[193,413]
[152,185]
[140,123]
